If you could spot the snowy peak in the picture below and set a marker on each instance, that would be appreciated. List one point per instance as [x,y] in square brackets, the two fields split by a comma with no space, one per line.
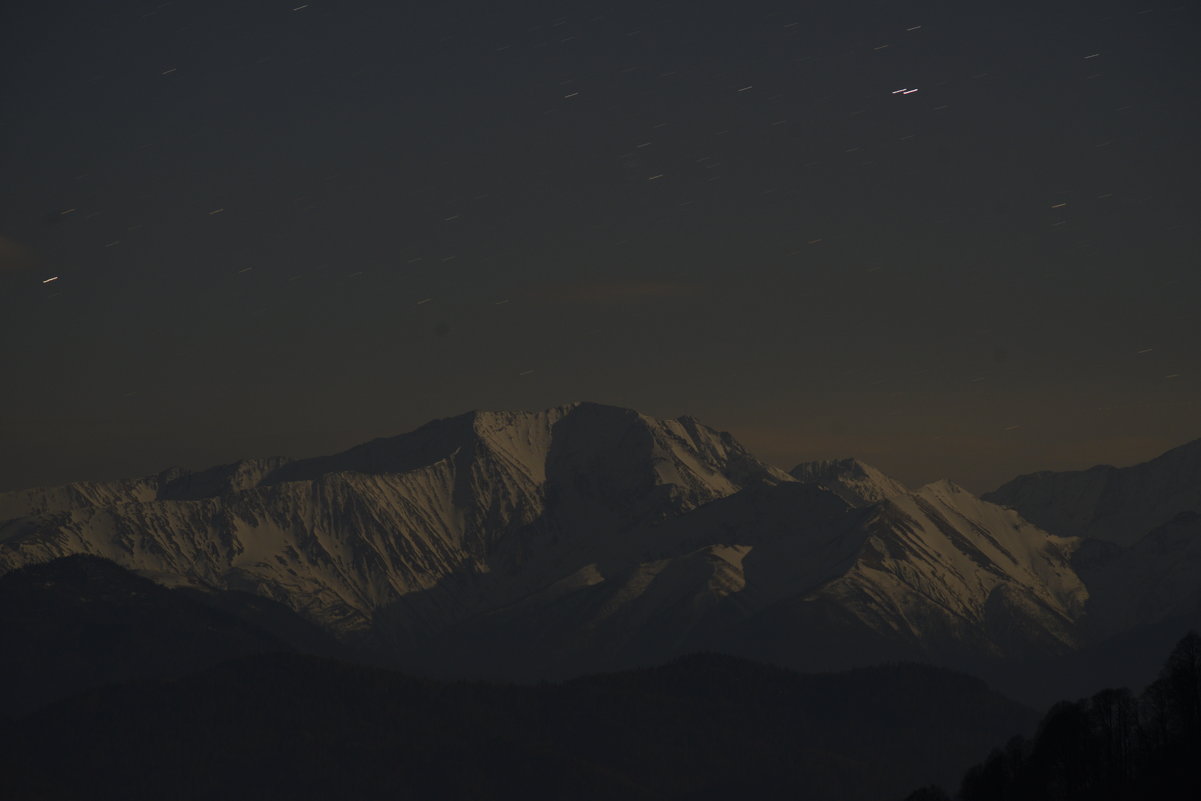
[857,483]
[536,444]
[609,469]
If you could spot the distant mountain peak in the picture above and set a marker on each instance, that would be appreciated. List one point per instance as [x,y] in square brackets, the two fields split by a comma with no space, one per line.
[856,482]
[942,486]
[1118,504]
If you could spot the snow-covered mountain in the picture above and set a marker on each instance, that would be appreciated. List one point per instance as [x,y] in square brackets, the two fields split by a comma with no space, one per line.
[1117,504]
[580,538]
[422,515]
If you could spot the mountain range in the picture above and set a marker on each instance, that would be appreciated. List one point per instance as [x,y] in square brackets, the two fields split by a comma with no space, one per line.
[587,537]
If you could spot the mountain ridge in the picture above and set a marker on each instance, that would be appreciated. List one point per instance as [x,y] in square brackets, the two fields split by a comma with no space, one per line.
[588,537]
[1118,504]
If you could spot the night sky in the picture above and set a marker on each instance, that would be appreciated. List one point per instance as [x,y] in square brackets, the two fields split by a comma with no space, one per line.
[277,228]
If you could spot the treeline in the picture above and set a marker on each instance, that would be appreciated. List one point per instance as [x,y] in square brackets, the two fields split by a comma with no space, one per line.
[1114,746]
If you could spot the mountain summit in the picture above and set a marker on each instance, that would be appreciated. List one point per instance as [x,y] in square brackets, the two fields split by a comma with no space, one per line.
[856,483]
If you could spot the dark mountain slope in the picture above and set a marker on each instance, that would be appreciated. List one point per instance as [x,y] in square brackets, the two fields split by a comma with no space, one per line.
[297,727]
[1117,504]
[81,621]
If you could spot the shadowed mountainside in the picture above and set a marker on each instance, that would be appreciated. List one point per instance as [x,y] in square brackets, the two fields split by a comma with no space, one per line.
[1116,504]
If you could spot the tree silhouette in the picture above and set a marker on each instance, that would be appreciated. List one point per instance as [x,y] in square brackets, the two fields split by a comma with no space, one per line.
[1111,747]
[1182,678]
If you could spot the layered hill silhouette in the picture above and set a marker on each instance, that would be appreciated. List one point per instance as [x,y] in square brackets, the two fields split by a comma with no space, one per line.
[261,721]
[81,622]
[589,537]
[290,726]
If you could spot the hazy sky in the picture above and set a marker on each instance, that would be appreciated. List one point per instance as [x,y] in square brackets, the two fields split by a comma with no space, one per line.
[953,239]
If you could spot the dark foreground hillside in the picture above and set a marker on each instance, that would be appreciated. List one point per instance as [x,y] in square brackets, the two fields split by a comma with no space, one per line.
[1114,746]
[82,621]
[296,726]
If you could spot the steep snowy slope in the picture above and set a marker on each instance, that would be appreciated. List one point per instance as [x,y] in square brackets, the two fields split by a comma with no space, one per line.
[945,568]
[1110,503]
[934,574]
